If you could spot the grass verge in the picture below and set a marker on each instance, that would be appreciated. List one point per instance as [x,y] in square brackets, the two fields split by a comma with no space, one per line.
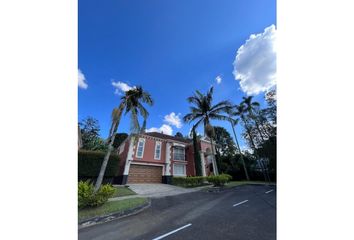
[123,191]
[111,207]
[189,186]
[238,183]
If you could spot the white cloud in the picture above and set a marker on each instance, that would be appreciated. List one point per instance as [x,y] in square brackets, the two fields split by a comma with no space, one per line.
[218,79]
[121,87]
[255,62]
[81,80]
[166,129]
[173,120]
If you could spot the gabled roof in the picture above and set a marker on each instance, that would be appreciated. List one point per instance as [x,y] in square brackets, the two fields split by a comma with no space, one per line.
[165,136]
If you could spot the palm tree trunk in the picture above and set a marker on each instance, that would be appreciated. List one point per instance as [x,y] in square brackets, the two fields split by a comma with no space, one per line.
[116,115]
[216,172]
[104,165]
[254,146]
[242,160]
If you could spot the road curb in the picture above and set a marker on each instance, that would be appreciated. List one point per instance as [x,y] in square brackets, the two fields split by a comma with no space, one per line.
[113,216]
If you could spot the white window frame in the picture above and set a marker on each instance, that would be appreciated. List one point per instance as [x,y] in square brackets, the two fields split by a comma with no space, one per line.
[174,168]
[137,148]
[156,145]
[184,153]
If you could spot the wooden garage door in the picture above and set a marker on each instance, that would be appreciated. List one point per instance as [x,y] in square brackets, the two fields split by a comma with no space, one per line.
[145,174]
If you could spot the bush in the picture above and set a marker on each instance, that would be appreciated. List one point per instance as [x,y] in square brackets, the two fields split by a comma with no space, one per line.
[90,164]
[188,181]
[219,180]
[87,197]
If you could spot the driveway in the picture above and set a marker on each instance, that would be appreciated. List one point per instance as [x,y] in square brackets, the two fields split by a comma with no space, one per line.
[244,213]
[157,190]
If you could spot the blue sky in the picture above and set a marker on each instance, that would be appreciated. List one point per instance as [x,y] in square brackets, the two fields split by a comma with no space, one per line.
[172,48]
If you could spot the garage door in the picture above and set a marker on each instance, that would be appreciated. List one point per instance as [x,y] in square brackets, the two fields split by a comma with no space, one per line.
[145,174]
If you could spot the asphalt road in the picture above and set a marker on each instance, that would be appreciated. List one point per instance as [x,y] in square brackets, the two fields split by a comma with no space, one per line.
[245,212]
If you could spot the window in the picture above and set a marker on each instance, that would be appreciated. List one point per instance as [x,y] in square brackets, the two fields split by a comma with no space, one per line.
[178,153]
[179,170]
[157,151]
[140,148]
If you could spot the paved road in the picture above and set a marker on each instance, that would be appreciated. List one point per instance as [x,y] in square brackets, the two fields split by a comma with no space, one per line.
[199,215]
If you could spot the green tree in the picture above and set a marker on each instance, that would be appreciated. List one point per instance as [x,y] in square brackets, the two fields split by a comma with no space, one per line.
[130,102]
[203,111]
[197,160]
[120,137]
[90,135]
[179,134]
[225,146]
[234,122]
[250,107]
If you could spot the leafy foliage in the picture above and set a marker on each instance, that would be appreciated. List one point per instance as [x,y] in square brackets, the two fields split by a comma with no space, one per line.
[88,198]
[219,180]
[188,181]
[197,159]
[179,134]
[119,138]
[89,164]
[90,134]
[225,146]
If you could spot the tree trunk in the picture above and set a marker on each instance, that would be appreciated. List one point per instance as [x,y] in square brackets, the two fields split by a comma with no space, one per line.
[254,147]
[216,172]
[238,147]
[104,164]
[113,130]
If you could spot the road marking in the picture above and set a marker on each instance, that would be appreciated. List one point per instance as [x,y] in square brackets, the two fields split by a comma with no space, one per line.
[239,203]
[269,191]
[169,233]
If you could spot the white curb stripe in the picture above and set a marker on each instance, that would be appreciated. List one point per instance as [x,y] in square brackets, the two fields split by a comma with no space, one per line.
[239,203]
[169,233]
[269,191]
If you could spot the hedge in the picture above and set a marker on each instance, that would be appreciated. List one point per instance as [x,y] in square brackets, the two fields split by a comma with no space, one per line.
[188,181]
[219,180]
[89,164]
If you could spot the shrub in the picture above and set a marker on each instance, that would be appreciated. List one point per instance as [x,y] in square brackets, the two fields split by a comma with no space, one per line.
[188,181]
[89,164]
[87,197]
[219,180]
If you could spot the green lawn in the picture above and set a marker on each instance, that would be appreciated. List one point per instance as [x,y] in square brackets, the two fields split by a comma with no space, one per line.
[111,207]
[238,183]
[122,191]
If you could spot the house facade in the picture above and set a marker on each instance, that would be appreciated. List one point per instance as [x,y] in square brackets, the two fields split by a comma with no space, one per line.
[156,157]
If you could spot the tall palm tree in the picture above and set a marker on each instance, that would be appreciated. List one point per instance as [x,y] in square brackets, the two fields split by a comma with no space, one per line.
[131,102]
[234,122]
[251,107]
[241,111]
[203,111]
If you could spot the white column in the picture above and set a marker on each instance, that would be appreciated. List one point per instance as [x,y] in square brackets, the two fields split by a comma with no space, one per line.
[168,159]
[202,162]
[129,157]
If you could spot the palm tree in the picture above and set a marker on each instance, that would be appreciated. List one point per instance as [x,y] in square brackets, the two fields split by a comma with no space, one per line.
[234,122]
[251,107]
[131,102]
[203,111]
[241,110]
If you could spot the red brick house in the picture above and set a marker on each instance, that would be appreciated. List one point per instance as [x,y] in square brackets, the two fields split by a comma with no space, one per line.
[156,157]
